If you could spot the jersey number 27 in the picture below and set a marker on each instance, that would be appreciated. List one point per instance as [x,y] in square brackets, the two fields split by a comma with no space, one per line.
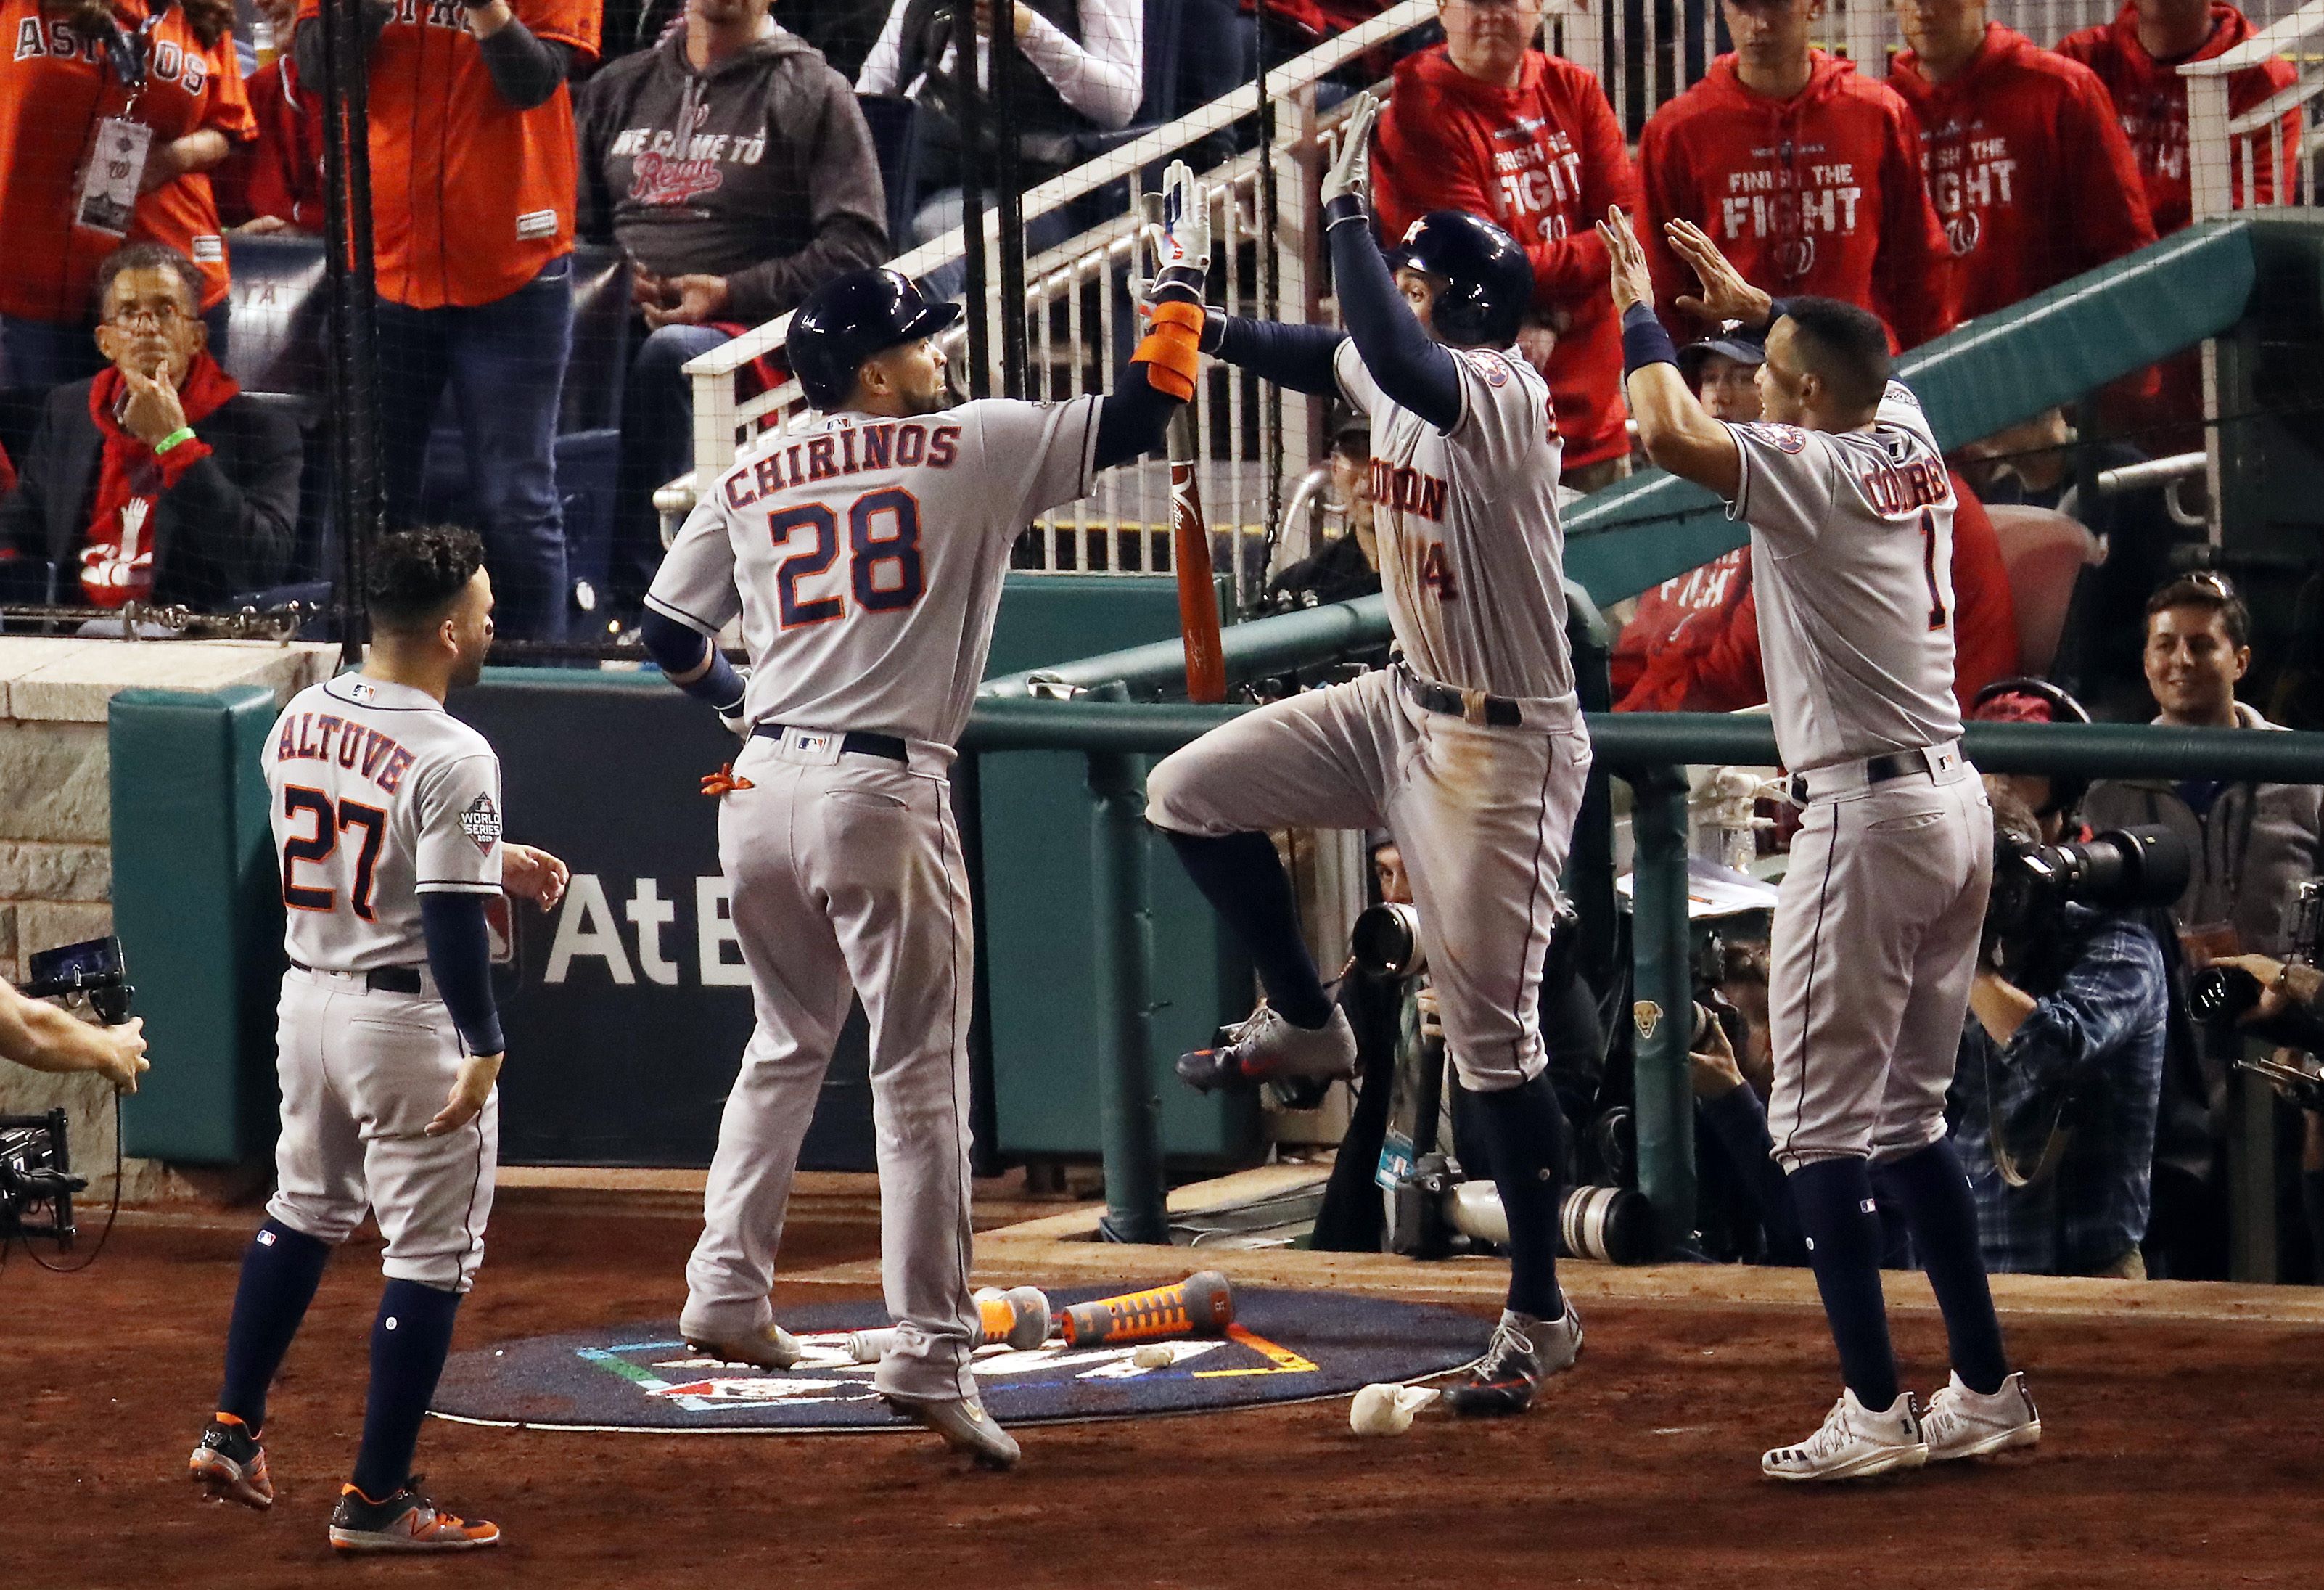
[883,556]
[315,848]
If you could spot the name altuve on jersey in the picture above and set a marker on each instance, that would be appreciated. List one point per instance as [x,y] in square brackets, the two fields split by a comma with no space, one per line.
[851,449]
[375,756]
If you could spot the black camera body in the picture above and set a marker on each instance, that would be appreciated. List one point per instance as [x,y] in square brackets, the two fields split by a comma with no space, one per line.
[2117,870]
[36,1180]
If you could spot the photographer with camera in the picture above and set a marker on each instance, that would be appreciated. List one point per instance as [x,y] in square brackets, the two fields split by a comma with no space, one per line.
[2055,1102]
[41,1036]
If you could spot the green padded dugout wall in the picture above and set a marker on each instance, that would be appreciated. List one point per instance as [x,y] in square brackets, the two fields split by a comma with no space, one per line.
[200,919]
[1035,811]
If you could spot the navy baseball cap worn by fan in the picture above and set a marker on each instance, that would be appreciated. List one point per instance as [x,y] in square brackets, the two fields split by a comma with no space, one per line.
[850,318]
[1488,280]
[1730,344]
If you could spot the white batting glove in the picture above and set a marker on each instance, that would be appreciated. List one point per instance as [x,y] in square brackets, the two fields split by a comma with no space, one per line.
[1350,176]
[736,723]
[1186,239]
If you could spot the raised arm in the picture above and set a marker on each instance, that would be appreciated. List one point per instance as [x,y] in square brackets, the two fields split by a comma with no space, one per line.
[1410,366]
[1133,420]
[1678,434]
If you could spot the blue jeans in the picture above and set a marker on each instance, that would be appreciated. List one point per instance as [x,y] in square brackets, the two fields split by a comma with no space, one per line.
[506,363]
[37,355]
[657,446]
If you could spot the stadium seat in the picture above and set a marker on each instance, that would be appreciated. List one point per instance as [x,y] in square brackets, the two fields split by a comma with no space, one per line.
[2045,553]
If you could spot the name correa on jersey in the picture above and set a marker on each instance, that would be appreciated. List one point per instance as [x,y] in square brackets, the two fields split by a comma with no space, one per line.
[853,450]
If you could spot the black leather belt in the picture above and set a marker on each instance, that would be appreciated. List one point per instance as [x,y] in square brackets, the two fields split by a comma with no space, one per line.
[1878,770]
[1500,712]
[855,740]
[384,979]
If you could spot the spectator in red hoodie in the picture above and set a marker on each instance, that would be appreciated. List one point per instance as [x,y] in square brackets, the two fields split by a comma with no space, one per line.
[2027,166]
[1486,123]
[1693,643]
[2137,57]
[1805,174]
[275,183]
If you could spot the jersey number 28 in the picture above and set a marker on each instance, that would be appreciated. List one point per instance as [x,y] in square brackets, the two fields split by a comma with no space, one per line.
[883,556]
[315,848]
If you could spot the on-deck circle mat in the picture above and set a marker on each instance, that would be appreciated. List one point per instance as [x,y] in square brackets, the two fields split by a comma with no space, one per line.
[1285,1346]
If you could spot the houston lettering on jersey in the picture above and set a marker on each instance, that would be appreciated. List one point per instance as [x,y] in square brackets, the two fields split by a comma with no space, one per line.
[325,736]
[1408,490]
[58,42]
[854,450]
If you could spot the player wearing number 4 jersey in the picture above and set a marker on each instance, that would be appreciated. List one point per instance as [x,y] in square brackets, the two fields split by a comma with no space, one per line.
[863,553]
[387,821]
[1878,924]
[1470,752]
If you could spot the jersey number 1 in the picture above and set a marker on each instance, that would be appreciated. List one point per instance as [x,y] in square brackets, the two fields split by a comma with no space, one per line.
[1938,616]
[317,847]
[884,546]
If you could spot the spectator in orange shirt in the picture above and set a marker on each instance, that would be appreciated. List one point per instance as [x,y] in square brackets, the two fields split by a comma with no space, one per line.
[70,68]
[1805,173]
[472,169]
[1693,643]
[275,184]
[1486,123]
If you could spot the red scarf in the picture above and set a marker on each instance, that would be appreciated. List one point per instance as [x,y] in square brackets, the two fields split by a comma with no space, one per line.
[116,564]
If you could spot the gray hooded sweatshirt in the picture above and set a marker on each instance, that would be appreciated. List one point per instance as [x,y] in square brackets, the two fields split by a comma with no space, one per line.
[760,170]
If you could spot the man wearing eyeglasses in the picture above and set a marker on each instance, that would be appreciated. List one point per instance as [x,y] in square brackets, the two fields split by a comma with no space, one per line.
[155,481]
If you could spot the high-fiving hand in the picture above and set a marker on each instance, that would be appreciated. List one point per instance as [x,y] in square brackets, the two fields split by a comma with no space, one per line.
[1351,175]
[1632,283]
[1726,296]
[1185,233]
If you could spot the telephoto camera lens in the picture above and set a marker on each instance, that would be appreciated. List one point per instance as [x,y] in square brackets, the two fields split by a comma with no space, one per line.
[1386,942]
[2222,994]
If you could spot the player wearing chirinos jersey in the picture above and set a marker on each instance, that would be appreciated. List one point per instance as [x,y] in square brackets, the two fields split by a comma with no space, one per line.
[1878,924]
[387,821]
[1470,751]
[863,552]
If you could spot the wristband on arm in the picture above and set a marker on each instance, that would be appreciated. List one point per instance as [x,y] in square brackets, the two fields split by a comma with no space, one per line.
[1645,341]
[1171,346]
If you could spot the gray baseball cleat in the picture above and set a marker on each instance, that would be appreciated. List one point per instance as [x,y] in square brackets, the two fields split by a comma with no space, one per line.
[770,1347]
[1523,1353]
[963,1424]
[1268,1049]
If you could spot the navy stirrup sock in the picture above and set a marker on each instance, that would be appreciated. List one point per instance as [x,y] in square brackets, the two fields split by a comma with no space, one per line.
[1244,881]
[1833,1198]
[408,1341]
[280,1272]
[1934,1190]
[1524,1132]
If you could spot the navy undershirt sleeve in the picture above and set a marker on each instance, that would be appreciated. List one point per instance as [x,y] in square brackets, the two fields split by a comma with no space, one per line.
[1296,357]
[460,954]
[1133,420]
[676,649]
[1413,368]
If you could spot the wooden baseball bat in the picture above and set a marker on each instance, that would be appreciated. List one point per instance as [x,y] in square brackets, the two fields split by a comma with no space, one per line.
[1198,596]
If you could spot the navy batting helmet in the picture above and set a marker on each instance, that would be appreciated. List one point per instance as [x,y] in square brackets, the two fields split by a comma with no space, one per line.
[1488,280]
[851,317]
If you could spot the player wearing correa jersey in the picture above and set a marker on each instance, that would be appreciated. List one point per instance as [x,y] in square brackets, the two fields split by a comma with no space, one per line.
[1470,750]
[387,823]
[1878,924]
[863,552]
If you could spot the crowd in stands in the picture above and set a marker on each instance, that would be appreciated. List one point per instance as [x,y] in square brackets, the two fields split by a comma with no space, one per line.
[730,159]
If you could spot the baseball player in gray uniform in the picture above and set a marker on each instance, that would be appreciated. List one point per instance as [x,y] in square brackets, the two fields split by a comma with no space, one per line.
[1879,919]
[864,552]
[1470,750]
[387,824]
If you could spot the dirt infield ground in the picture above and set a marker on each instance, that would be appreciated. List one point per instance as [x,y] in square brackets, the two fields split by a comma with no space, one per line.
[2177,1455]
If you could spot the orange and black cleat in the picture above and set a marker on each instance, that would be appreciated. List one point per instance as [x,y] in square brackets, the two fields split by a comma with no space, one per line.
[231,1464]
[405,1521]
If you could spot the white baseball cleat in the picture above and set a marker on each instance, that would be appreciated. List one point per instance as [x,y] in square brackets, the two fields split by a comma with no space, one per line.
[963,1424]
[1270,1049]
[1854,1443]
[1962,1423]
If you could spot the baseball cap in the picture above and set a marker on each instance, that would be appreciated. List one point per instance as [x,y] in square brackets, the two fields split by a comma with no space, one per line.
[1351,431]
[1730,343]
